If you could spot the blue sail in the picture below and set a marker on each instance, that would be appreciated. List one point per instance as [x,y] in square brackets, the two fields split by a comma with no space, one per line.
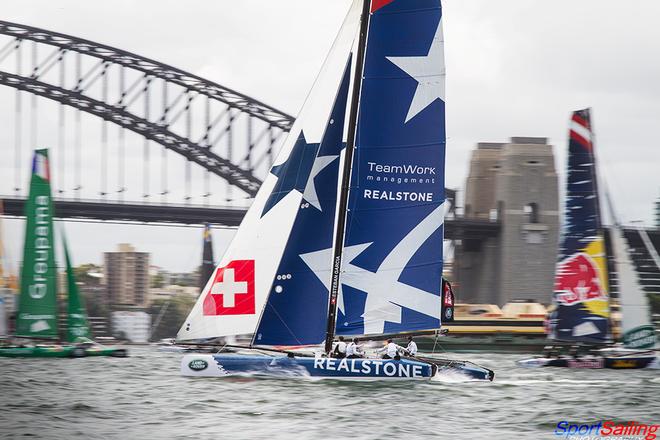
[392,256]
[581,281]
[297,306]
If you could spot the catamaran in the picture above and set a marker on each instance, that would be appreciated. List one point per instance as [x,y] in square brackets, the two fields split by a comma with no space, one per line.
[581,296]
[36,319]
[345,235]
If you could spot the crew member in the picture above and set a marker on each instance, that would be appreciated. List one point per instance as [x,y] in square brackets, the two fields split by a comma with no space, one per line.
[340,349]
[353,350]
[411,349]
[391,350]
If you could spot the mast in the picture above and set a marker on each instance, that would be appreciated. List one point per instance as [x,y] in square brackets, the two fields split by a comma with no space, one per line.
[208,266]
[346,176]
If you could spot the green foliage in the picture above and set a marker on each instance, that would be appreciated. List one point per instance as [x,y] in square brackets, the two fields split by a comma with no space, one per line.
[654,299]
[176,312]
[83,276]
[157,281]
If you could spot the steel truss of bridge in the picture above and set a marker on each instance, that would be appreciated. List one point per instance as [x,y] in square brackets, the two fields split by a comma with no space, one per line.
[456,228]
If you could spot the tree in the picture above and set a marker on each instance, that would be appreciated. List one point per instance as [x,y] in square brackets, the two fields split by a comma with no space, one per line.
[157,281]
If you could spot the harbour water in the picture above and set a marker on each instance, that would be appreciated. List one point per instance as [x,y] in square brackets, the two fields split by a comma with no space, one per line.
[143,396]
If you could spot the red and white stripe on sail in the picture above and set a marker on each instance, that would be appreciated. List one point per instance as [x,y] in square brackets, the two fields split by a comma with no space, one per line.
[580,130]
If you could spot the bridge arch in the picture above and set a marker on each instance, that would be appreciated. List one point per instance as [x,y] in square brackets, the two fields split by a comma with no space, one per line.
[225,109]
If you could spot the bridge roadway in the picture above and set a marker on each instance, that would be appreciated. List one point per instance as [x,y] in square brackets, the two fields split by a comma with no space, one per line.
[458,228]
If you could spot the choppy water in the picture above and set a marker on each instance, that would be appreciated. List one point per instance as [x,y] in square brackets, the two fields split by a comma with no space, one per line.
[143,396]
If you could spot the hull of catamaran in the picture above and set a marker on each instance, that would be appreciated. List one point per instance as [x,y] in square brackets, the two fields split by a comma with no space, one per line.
[622,361]
[202,365]
[64,351]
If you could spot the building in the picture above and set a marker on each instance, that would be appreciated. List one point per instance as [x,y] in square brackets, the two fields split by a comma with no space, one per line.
[516,184]
[657,213]
[133,326]
[127,277]
[167,292]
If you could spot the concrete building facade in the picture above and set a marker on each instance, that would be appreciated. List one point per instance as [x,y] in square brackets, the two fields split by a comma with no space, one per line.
[515,183]
[127,276]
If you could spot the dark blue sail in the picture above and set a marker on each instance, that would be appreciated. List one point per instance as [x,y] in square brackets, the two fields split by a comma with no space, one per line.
[297,306]
[392,256]
[581,282]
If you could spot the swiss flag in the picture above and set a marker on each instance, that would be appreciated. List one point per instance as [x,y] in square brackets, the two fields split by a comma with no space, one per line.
[232,291]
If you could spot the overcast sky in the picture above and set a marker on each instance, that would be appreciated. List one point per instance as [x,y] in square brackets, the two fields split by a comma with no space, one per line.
[514,68]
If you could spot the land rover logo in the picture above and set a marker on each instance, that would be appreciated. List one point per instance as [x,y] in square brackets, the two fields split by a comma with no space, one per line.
[198,365]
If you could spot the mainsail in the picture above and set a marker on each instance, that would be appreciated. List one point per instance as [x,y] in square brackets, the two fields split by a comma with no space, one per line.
[392,256]
[77,325]
[581,282]
[37,310]
[636,326]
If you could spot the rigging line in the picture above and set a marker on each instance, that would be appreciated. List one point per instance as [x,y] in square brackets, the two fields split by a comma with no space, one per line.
[78,137]
[18,117]
[342,204]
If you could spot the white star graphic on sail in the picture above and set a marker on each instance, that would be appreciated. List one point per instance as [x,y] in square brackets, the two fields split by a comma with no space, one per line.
[386,295]
[428,71]
[309,193]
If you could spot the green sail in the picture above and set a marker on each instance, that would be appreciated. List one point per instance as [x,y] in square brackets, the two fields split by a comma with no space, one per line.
[37,309]
[77,327]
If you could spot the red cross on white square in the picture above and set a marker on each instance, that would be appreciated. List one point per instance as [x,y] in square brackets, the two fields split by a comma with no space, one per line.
[232,290]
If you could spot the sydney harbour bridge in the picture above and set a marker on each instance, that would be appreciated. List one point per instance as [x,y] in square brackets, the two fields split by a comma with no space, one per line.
[137,140]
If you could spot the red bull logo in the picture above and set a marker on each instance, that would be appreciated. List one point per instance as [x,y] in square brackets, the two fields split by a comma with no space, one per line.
[577,280]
